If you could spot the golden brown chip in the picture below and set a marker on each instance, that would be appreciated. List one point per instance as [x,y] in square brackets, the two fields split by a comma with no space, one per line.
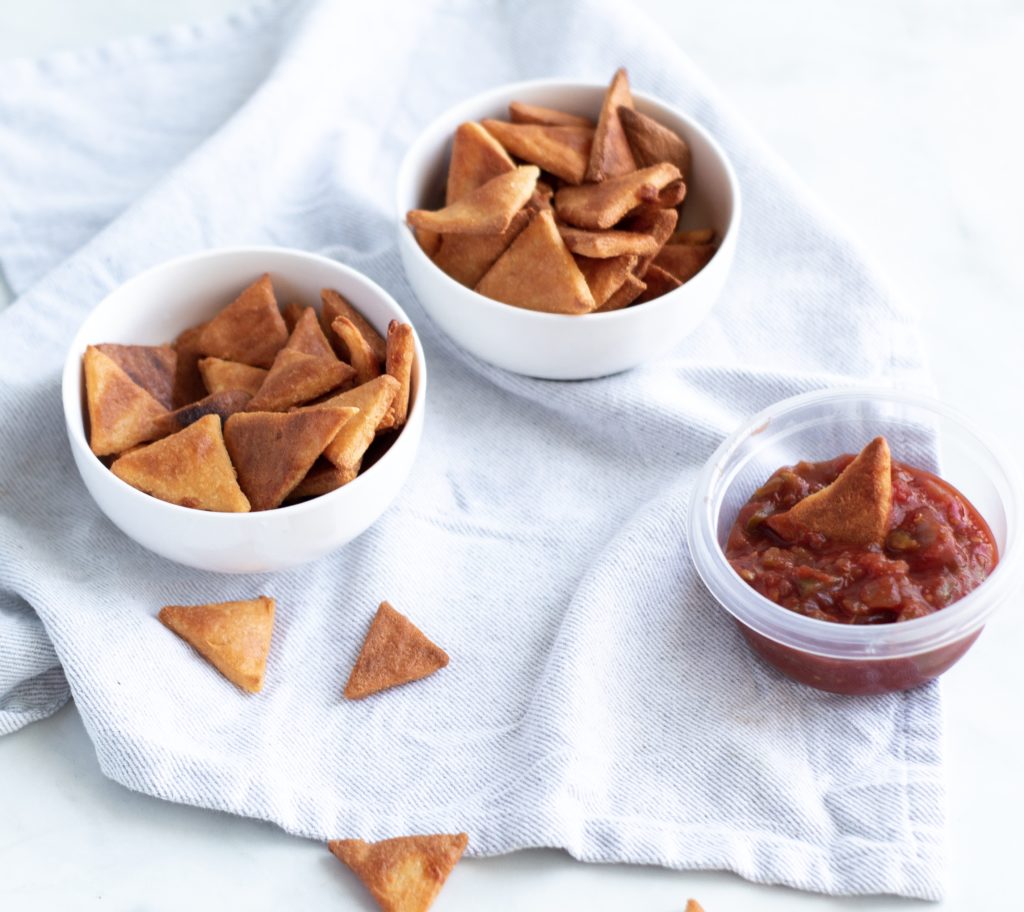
[223,404]
[522,113]
[364,362]
[466,257]
[653,143]
[693,906]
[291,312]
[605,276]
[429,241]
[250,329]
[234,637]
[373,400]
[538,273]
[658,223]
[487,210]
[658,282]
[541,198]
[220,375]
[672,195]
[611,243]
[150,366]
[403,874]
[296,378]
[188,384]
[401,351]
[323,478]
[395,652]
[476,157]
[190,468]
[611,155]
[273,451]
[693,236]
[853,510]
[602,205]
[121,413]
[332,306]
[684,261]
[307,337]
[627,293]
[562,151]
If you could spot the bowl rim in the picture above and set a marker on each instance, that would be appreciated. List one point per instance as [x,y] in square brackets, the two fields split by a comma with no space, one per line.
[439,129]
[72,385]
[848,641]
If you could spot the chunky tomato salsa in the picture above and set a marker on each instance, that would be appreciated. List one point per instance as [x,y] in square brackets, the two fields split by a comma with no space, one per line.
[876,541]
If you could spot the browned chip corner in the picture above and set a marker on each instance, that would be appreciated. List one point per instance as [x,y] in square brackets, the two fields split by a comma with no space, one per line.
[308,338]
[234,637]
[652,142]
[853,510]
[395,652]
[486,210]
[222,376]
[562,151]
[334,305]
[365,363]
[404,874]
[476,157]
[152,367]
[602,205]
[250,329]
[121,413]
[296,377]
[522,113]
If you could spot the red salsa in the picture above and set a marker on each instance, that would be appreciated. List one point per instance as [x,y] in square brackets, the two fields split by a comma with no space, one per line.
[936,550]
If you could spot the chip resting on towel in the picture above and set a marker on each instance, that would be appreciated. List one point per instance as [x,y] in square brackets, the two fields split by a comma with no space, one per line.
[403,874]
[234,637]
[395,652]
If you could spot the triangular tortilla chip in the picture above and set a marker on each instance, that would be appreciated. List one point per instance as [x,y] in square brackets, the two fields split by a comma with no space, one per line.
[476,157]
[307,337]
[190,468]
[234,637]
[401,351]
[627,293]
[296,378]
[693,906]
[250,329]
[562,151]
[332,306]
[611,243]
[658,282]
[658,223]
[653,143]
[373,400]
[520,112]
[602,205]
[223,404]
[853,510]
[220,375]
[188,384]
[466,257]
[364,362]
[121,413]
[693,236]
[403,874]
[684,261]
[487,210]
[538,273]
[273,451]
[394,652]
[611,155]
[605,276]
[150,366]
[292,313]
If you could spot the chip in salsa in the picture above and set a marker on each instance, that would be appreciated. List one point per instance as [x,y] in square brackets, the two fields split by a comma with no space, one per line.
[860,540]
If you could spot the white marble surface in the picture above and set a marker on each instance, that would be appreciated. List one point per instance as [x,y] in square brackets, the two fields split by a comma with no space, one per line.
[904,117]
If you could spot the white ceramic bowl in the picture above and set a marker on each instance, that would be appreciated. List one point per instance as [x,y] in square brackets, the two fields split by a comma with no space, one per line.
[556,346]
[153,308]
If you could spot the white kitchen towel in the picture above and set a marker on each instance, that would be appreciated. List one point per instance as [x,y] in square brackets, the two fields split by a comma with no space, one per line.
[597,698]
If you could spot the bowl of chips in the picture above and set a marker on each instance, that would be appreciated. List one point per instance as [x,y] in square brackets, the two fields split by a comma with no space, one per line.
[227,432]
[566,230]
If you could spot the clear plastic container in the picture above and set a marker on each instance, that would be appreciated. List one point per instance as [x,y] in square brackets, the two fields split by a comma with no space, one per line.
[856,659]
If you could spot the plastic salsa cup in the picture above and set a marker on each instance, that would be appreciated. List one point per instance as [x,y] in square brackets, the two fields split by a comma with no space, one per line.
[845,658]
